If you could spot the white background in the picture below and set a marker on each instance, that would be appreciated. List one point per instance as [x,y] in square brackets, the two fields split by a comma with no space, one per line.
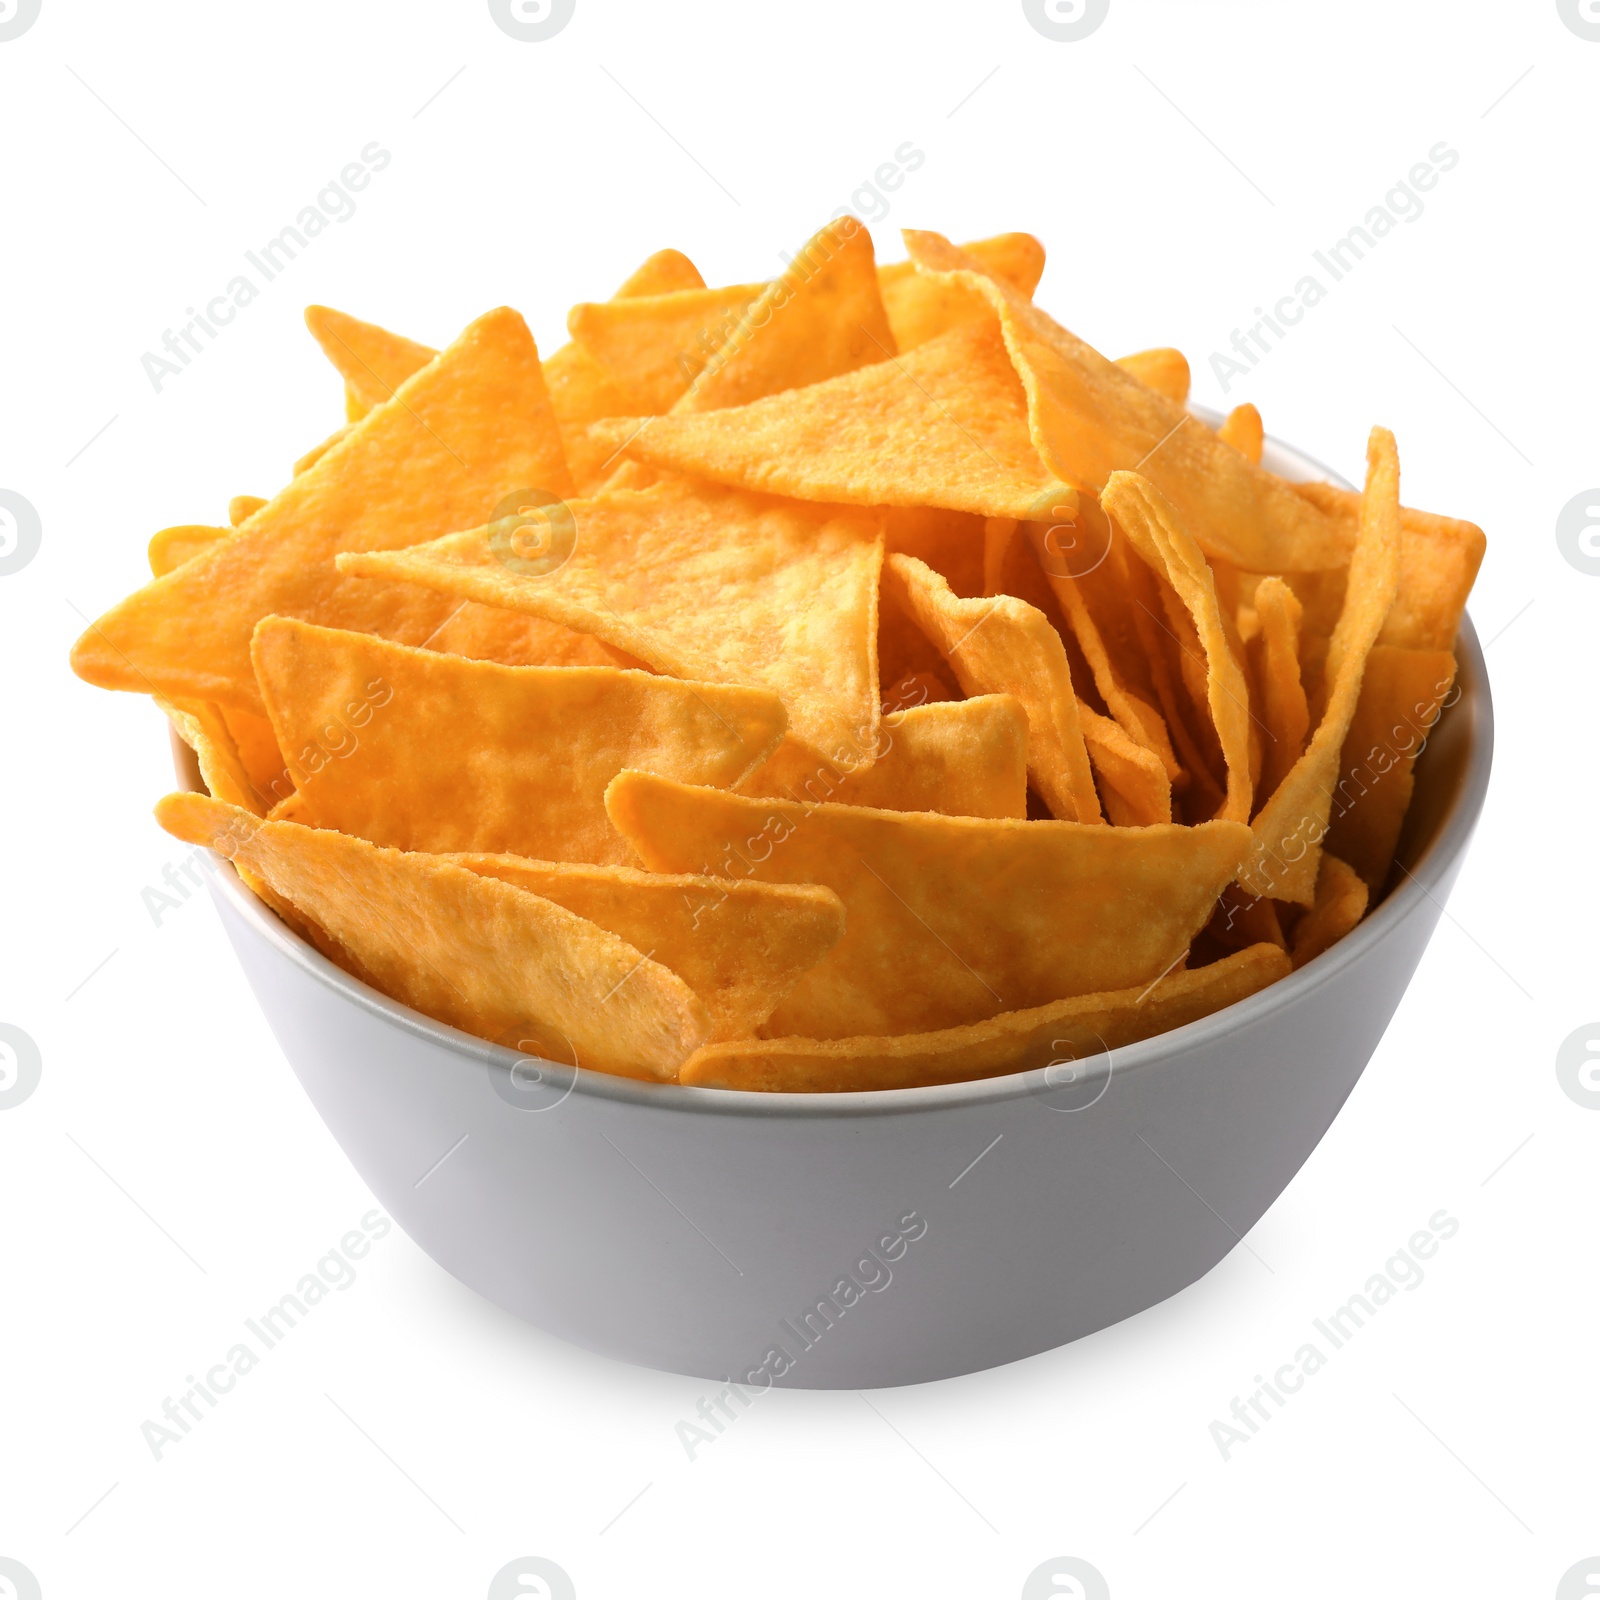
[168,1177]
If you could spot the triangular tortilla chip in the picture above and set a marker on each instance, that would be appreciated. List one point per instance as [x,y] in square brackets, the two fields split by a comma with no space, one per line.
[1133,784]
[946,425]
[948,919]
[372,361]
[436,752]
[966,758]
[699,582]
[822,317]
[474,952]
[1282,690]
[1016,1041]
[461,434]
[1091,418]
[515,639]
[242,507]
[1005,646]
[1291,827]
[739,946]
[1153,527]
[171,547]
[921,307]
[664,272]
[1164,370]
[1340,904]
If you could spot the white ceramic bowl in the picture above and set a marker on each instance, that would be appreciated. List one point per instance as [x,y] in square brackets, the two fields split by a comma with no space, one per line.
[859,1240]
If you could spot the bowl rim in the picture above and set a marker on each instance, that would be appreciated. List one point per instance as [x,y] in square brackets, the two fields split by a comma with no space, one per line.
[1426,872]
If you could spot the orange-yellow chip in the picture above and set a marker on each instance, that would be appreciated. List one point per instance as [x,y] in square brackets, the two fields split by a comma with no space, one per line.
[516,639]
[1242,429]
[1340,904]
[372,361]
[1164,370]
[1282,693]
[171,547]
[242,507]
[920,307]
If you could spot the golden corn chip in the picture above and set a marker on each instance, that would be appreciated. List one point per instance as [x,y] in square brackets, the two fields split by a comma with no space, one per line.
[1439,559]
[1164,370]
[474,952]
[433,752]
[292,808]
[654,346]
[318,451]
[244,506]
[953,543]
[1046,1036]
[1005,646]
[1153,528]
[1291,826]
[516,639]
[699,582]
[921,307]
[1090,418]
[1134,786]
[1340,904]
[966,758]
[824,316]
[1282,693]
[466,430]
[1242,429]
[999,534]
[739,946]
[372,361]
[171,547]
[1401,694]
[945,425]
[665,272]
[948,919]
[200,726]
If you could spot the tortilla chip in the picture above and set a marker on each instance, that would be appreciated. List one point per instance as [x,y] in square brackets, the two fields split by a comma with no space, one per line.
[199,724]
[999,534]
[171,547]
[822,317]
[921,307]
[1242,429]
[665,272]
[1133,783]
[1340,904]
[466,430]
[318,451]
[699,582]
[1153,528]
[1401,694]
[1016,1041]
[1243,919]
[1005,646]
[242,507]
[1291,826]
[953,543]
[739,946]
[948,919]
[258,751]
[515,639]
[476,756]
[1282,694]
[1164,370]
[474,952]
[1090,418]
[965,758]
[944,426]
[372,361]
[1439,559]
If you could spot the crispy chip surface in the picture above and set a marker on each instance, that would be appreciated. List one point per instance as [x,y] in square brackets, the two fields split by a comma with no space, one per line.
[1340,904]
[948,919]
[518,639]
[470,950]
[372,361]
[921,306]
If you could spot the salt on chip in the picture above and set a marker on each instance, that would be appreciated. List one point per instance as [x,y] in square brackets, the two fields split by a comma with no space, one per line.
[470,950]
[1164,370]
[372,361]
[1291,826]
[1081,1029]
[945,425]
[1002,645]
[1340,904]
[822,317]
[921,307]
[465,431]
[948,919]
[433,752]
[697,581]
[966,758]
[739,946]
[1242,429]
